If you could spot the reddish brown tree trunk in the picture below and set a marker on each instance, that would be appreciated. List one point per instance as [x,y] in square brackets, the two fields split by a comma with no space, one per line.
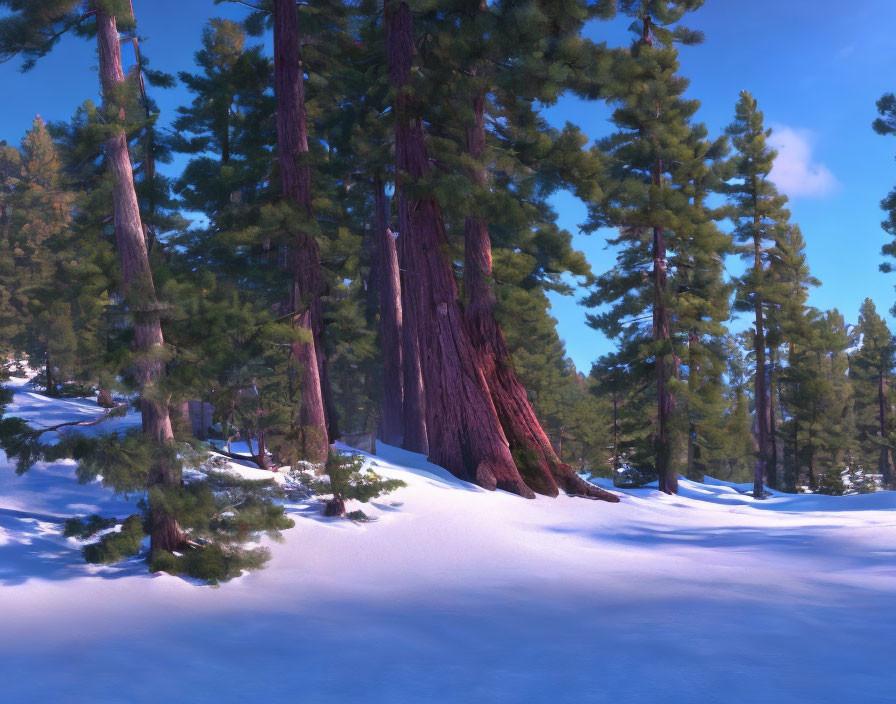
[414,400]
[389,286]
[138,287]
[464,433]
[668,479]
[538,464]
[884,460]
[104,399]
[773,462]
[695,468]
[304,253]
[662,331]
[312,428]
[51,379]
[763,399]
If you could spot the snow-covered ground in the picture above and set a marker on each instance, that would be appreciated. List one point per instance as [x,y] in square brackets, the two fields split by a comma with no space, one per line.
[460,595]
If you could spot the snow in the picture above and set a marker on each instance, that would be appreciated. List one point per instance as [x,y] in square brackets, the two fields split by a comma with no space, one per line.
[456,594]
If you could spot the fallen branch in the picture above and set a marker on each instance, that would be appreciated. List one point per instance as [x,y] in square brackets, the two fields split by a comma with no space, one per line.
[260,462]
[111,413]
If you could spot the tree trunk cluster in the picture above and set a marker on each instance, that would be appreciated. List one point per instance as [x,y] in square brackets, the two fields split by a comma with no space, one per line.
[479,423]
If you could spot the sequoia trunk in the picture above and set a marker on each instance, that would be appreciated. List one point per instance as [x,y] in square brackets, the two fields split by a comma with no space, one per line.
[138,288]
[414,400]
[389,286]
[303,251]
[464,433]
[538,464]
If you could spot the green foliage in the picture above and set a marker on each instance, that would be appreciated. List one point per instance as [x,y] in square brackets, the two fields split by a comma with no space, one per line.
[19,443]
[869,371]
[84,528]
[123,461]
[818,399]
[210,563]
[346,479]
[229,509]
[659,171]
[117,545]
[31,28]
[830,482]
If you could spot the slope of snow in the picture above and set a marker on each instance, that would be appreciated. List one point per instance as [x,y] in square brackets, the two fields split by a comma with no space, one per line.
[460,595]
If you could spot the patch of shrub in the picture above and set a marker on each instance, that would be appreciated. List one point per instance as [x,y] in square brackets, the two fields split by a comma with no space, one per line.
[84,528]
[164,561]
[75,390]
[210,563]
[114,547]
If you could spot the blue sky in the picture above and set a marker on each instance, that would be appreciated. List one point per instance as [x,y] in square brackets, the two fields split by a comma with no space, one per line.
[816,68]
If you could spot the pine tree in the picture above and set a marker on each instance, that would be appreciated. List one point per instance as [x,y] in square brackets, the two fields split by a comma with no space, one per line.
[11,319]
[88,264]
[40,229]
[789,320]
[30,237]
[760,221]
[885,125]
[818,400]
[649,200]
[702,305]
[869,370]
[33,30]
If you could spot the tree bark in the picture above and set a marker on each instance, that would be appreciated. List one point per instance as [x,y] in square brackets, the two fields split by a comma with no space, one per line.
[303,250]
[138,285]
[463,430]
[662,335]
[773,465]
[414,399]
[763,400]
[539,466]
[51,379]
[884,461]
[389,285]
[104,399]
[695,468]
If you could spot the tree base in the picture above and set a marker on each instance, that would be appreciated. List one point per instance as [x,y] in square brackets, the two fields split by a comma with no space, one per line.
[104,399]
[335,507]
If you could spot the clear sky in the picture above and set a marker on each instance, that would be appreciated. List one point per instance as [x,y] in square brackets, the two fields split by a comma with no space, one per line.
[816,66]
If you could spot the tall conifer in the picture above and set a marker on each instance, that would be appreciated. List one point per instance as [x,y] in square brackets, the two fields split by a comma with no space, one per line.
[870,368]
[649,200]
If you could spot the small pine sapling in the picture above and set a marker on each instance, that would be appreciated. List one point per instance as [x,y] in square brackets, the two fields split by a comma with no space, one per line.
[220,515]
[346,479]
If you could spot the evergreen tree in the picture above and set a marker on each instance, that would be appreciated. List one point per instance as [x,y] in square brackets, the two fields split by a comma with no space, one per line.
[149,459]
[39,231]
[818,401]
[702,304]
[650,200]
[885,125]
[789,321]
[869,370]
[759,217]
